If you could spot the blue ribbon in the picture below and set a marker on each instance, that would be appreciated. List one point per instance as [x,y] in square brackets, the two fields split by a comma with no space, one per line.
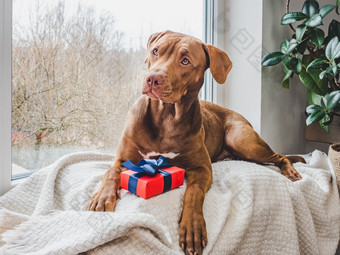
[148,167]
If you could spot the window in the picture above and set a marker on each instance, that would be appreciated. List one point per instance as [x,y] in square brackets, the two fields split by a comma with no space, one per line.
[205,18]
[77,67]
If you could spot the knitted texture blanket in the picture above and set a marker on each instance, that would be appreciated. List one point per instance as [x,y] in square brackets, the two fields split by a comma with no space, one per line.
[250,209]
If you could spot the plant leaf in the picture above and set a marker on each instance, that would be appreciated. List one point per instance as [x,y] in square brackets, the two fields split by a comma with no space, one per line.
[317,36]
[314,73]
[300,31]
[272,58]
[323,102]
[312,108]
[337,2]
[290,63]
[285,81]
[323,85]
[316,63]
[309,82]
[333,49]
[298,67]
[322,74]
[306,59]
[313,98]
[327,120]
[284,46]
[324,10]
[334,29]
[287,47]
[291,17]
[310,8]
[314,117]
[314,21]
[301,48]
[333,99]
[337,51]
[330,73]
[324,127]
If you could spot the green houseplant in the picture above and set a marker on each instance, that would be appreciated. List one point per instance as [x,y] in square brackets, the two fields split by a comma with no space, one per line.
[314,57]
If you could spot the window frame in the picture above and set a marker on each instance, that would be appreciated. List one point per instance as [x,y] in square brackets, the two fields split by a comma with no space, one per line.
[211,9]
[5,95]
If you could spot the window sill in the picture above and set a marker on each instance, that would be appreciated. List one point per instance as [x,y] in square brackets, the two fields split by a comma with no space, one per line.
[14,183]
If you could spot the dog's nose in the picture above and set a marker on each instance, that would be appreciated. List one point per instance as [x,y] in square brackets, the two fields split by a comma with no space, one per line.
[155,79]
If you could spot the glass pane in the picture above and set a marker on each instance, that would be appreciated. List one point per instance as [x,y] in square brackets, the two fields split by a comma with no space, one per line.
[77,68]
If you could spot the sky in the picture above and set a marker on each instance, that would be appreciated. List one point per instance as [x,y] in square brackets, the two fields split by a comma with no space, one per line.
[137,19]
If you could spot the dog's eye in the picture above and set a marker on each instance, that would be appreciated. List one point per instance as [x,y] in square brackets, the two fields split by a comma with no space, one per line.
[155,52]
[185,61]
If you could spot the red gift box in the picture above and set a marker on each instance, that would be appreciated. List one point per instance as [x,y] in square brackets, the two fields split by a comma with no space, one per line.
[149,186]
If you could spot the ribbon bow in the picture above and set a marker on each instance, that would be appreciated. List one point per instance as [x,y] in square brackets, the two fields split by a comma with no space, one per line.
[149,167]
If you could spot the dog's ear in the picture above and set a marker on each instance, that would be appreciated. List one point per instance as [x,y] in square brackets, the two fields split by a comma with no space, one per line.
[152,38]
[218,61]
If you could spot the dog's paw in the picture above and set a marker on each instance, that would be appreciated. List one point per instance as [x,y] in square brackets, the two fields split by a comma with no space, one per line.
[106,197]
[291,173]
[295,159]
[192,233]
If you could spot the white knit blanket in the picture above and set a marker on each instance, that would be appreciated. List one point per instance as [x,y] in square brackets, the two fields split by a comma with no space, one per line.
[250,209]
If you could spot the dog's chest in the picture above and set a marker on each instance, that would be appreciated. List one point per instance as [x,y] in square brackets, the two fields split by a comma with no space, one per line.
[154,154]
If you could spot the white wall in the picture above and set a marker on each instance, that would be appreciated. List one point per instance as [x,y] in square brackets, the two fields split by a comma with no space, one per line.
[252,28]
[242,31]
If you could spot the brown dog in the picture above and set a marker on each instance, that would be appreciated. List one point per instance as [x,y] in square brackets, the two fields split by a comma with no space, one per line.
[170,120]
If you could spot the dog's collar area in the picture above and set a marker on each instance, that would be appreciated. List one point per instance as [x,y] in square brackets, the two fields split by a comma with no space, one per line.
[170,155]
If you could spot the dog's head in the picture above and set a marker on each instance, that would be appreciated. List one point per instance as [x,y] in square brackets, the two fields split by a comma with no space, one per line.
[176,65]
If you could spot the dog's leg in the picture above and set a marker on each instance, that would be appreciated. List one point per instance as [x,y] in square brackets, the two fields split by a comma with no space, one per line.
[245,143]
[295,159]
[106,197]
[192,233]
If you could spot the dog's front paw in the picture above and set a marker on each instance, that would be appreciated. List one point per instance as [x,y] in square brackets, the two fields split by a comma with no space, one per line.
[192,233]
[106,197]
[290,172]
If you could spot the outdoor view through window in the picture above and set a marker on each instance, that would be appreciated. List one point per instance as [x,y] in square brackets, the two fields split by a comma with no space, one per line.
[77,67]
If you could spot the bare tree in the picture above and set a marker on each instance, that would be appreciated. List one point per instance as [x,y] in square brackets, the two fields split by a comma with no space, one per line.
[73,82]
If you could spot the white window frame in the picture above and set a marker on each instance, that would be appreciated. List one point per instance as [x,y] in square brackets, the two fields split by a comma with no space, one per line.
[5,94]
[209,91]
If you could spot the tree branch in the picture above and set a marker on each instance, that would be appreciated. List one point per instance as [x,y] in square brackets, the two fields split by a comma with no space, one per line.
[287,11]
[336,82]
